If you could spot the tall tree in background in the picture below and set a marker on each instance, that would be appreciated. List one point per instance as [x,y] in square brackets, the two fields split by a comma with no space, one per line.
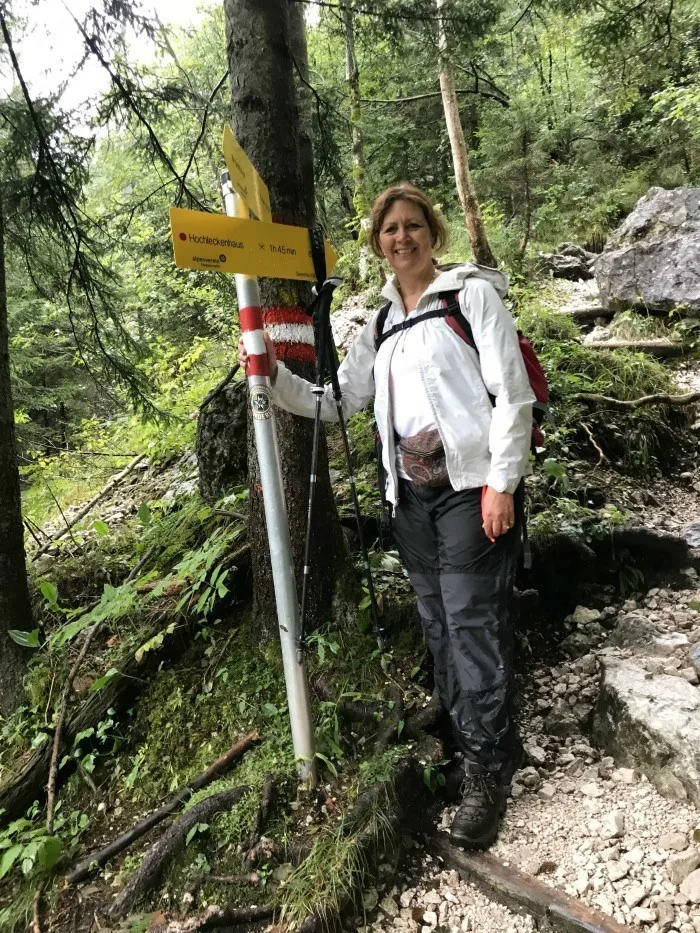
[15,608]
[262,38]
[460,157]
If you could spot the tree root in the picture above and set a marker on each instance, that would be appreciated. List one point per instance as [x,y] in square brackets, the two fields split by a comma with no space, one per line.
[169,845]
[261,816]
[392,721]
[659,398]
[98,858]
[216,917]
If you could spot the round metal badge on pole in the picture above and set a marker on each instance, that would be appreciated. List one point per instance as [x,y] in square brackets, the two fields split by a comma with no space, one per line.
[260,392]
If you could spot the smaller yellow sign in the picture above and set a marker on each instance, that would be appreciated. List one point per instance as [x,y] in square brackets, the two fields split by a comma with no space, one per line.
[217,243]
[244,178]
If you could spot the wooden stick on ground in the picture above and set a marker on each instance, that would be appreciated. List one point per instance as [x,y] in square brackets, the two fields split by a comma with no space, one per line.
[114,481]
[659,348]
[515,889]
[100,856]
[660,398]
[58,734]
[216,917]
[263,810]
[168,846]
[601,456]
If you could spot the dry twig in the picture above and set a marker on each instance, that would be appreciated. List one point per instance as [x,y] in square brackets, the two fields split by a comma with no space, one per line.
[53,767]
[601,456]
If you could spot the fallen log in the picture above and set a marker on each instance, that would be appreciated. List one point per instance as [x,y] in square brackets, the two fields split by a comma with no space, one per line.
[659,398]
[585,312]
[28,784]
[167,846]
[650,544]
[99,857]
[521,892]
[82,512]
[660,348]
[215,917]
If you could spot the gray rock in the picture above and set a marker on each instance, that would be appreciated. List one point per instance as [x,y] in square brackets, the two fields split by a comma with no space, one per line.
[691,887]
[674,842]
[694,657]
[665,644]
[651,723]
[653,258]
[635,893]
[561,721]
[691,533]
[681,864]
[633,630]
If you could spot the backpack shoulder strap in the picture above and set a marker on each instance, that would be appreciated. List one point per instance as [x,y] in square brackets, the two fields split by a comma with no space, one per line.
[404,325]
[456,319]
[379,324]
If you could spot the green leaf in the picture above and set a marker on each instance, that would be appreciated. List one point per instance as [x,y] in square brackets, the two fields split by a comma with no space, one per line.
[104,680]
[49,592]
[9,858]
[693,604]
[25,639]
[554,468]
[49,851]
[328,763]
[270,710]
[144,514]
[100,527]
[85,734]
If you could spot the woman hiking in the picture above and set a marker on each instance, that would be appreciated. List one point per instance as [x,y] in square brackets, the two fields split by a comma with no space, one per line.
[455,418]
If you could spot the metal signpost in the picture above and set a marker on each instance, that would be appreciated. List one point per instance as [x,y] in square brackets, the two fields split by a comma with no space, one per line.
[247,248]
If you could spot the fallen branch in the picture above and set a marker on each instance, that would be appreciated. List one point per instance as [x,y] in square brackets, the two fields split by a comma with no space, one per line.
[512,887]
[215,917]
[143,560]
[36,909]
[659,348]
[82,512]
[585,312]
[58,733]
[98,858]
[263,810]
[252,879]
[659,398]
[167,846]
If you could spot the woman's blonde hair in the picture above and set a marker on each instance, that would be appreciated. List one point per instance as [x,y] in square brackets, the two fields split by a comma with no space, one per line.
[406,192]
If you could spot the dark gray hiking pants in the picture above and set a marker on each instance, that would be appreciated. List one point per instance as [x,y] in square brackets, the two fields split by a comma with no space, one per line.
[464,585]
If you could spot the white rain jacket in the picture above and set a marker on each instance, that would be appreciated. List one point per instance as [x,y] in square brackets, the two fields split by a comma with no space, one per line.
[485,444]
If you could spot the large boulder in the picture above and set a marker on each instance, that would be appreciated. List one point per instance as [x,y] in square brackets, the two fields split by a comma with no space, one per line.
[652,261]
[653,724]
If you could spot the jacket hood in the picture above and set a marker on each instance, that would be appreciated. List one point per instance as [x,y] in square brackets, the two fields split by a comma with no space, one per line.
[453,277]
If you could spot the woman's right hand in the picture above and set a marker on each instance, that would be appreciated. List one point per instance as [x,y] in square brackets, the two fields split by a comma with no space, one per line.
[271,358]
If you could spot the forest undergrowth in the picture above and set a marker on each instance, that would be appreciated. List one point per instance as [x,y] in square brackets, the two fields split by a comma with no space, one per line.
[163,591]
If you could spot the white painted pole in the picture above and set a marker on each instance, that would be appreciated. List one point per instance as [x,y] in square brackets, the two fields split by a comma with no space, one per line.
[275,508]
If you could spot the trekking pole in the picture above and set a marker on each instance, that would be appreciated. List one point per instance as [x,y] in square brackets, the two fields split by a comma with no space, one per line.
[296,683]
[318,392]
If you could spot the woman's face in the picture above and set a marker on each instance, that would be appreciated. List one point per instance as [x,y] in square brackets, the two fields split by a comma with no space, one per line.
[405,240]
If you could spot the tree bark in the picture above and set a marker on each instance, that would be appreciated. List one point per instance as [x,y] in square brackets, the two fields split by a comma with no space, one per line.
[360,198]
[15,606]
[264,41]
[460,158]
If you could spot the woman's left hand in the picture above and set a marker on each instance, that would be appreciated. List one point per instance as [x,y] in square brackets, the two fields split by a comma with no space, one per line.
[497,512]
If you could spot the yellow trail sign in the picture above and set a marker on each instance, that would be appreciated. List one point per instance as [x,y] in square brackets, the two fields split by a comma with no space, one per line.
[244,178]
[217,243]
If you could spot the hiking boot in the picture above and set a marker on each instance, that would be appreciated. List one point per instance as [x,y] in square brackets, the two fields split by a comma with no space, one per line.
[475,824]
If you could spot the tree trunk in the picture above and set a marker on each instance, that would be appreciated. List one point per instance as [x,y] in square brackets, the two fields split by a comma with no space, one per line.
[264,41]
[460,158]
[360,198]
[15,607]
